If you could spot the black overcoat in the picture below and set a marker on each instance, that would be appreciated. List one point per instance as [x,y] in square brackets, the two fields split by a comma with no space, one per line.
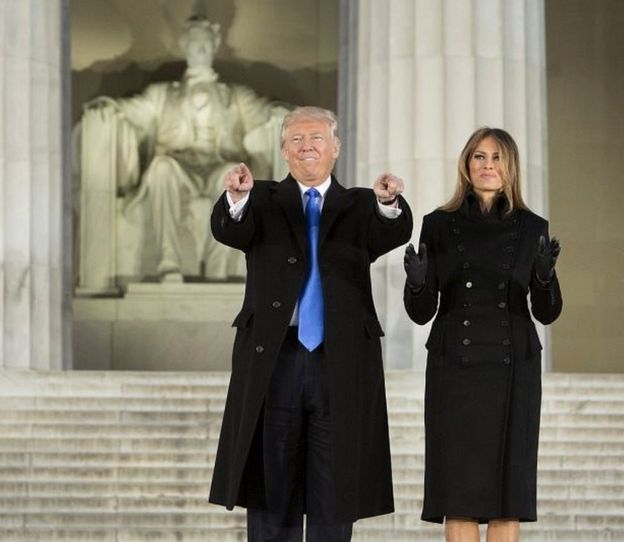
[483,376]
[272,234]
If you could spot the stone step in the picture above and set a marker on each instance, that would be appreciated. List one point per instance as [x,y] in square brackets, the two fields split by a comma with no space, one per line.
[398,432]
[595,406]
[32,419]
[172,519]
[29,504]
[99,488]
[106,417]
[393,377]
[127,457]
[232,534]
[117,404]
[208,428]
[401,521]
[74,519]
[16,383]
[566,457]
[126,445]
[119,474]
[406,380]
[148,405]
[120,417]
[549,472]
[409,433]
[360,534]
[400,446]
[191,489]
[145,406]
[60,459]
[436,534]
[406,480]
[206,431]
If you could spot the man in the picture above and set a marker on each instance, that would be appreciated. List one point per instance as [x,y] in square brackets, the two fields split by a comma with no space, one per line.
[305,425]
[192,133]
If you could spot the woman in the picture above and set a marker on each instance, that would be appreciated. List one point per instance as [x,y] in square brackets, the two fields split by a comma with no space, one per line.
[483,252]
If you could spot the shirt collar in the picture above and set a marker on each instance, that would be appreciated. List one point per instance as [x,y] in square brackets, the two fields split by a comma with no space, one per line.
[322,188]
[193,76]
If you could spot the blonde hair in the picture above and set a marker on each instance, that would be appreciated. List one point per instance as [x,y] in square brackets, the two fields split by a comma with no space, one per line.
[309,112]
[509,164]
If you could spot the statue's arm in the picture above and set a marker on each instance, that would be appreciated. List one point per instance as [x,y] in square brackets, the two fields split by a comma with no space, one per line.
[112,130]
[140,111]
[262,121]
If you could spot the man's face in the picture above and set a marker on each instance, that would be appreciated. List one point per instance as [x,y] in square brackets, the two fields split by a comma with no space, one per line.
[310,150]
[199,48]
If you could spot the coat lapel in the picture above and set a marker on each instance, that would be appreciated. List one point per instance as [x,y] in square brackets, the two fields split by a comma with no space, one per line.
[335,203]
[288,197]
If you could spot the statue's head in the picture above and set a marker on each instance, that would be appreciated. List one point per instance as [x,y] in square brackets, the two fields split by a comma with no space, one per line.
[199,41]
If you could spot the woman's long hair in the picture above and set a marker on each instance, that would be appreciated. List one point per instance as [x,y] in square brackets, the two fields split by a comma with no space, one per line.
[509,165]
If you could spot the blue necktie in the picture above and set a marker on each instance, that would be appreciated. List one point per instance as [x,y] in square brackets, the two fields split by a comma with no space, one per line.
[311,299]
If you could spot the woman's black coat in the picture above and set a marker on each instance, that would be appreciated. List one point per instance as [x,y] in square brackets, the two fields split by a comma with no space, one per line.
[483,380]
[352,235]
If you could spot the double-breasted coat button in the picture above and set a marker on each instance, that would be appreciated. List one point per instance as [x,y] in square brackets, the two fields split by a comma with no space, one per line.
[259,349]
[276,304]
[506,342]
[461,248]
[292,260]
[466,265]
[502,305]
[466,323]
[466,342]
[506,360]
[469,284]
[467,305]
[501,286]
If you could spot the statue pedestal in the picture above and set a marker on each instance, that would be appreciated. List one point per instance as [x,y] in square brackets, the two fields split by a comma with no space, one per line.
[158,327]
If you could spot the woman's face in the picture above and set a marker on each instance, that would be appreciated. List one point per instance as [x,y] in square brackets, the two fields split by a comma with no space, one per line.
[485,168]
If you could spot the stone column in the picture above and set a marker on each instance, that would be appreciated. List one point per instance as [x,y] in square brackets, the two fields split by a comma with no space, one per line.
[429,73]
[34,302]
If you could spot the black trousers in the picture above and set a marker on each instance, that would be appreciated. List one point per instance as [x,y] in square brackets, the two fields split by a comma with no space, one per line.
[297,458]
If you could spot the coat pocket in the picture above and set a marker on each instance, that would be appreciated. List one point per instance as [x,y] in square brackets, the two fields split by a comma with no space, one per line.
[435,339]
[243,318]
[533,342]
[373,329]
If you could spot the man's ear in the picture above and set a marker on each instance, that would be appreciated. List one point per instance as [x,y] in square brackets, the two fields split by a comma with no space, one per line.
[336,150]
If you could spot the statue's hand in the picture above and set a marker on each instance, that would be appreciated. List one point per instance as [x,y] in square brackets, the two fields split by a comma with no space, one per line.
[99,103]
[238,182]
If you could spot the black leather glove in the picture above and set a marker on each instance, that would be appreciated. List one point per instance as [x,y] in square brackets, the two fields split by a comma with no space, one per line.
[546,258]
[416,266]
